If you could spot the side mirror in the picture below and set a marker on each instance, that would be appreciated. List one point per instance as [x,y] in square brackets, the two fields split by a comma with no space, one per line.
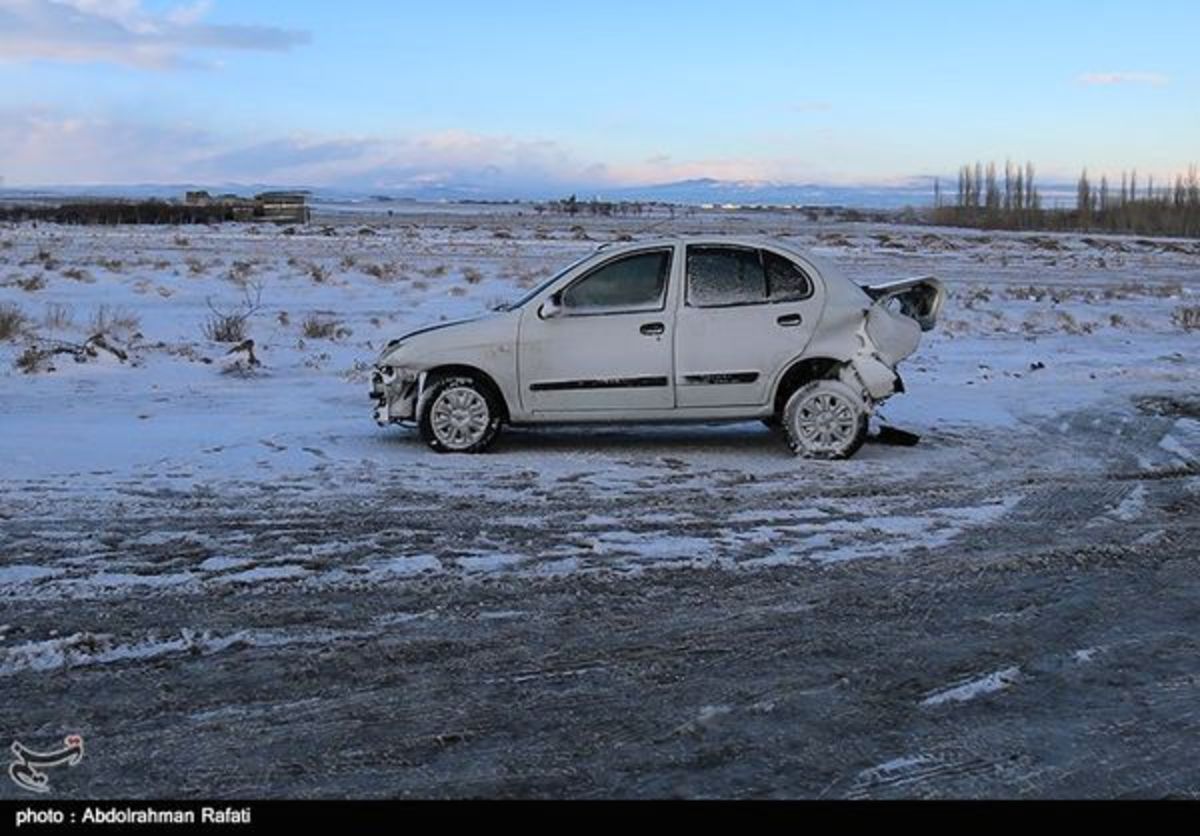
[552,307]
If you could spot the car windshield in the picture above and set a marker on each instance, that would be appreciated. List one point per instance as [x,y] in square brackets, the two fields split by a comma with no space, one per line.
[512,306]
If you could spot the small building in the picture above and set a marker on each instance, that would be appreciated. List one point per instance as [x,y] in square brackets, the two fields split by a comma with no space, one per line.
[282,207]
[277,207]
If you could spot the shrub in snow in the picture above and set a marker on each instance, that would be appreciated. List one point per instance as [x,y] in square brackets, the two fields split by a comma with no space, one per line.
[12,321]
[318,327]
[1187,317]
[230,326]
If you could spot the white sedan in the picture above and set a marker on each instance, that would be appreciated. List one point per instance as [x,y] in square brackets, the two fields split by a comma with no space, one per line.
[679,329]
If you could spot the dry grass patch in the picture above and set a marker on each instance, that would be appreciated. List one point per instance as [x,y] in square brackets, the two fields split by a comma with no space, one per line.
[58,317]
[33,283]
[29,360]
[318,326]
[114,320]
[231,325]
[12,321]
[1073,326]
[46,258]
[1126,290]
[1187,317]
[241,271]
[382,272]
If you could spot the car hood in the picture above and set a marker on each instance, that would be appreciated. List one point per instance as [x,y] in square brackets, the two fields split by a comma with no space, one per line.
[417,345]
[456,323]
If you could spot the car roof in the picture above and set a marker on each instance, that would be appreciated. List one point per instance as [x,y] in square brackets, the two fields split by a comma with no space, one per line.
[751,241]
[828,270]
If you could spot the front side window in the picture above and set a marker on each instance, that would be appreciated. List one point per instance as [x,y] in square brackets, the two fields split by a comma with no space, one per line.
[632,283]
[719,276]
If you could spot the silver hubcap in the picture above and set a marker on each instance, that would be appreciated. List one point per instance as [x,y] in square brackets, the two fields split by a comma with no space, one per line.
[826,422]
[459,417]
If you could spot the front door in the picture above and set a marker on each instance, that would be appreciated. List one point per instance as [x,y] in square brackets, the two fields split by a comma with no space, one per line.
[745,313]
[608,344]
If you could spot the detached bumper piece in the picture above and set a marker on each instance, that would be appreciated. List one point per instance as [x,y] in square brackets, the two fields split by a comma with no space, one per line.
[394,393]
[894,437]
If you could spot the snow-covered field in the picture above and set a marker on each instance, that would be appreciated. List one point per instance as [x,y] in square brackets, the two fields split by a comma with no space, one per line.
[179,516]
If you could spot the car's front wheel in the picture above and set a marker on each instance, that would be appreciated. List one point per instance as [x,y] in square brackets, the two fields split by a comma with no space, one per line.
[458,414]
[825,419]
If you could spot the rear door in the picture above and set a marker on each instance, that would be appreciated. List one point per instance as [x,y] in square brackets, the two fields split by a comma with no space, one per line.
[609,346]
[746,311]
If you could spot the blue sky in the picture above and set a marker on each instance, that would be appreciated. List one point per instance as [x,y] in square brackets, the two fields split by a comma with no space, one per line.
[543,95]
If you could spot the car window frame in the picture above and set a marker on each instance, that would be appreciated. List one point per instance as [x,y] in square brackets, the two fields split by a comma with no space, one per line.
[812,286]
[666,295]
[761,251]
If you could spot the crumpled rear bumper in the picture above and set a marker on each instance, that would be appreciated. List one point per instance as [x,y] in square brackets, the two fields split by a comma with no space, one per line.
[394,392]
[877,379]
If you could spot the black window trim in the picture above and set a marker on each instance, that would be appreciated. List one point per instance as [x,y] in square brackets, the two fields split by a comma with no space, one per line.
[687,277]
[668,249]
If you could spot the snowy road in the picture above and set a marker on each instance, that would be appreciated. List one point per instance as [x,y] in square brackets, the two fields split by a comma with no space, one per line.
[241,587]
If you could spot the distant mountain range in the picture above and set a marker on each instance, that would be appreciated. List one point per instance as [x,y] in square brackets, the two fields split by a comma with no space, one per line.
[708,190]
[705,190]
[917,192]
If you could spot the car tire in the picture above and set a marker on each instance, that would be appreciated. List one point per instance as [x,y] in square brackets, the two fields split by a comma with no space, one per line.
[458,414]
[825,419]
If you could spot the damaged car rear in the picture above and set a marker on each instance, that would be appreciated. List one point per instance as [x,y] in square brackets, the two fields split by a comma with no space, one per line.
[680,329]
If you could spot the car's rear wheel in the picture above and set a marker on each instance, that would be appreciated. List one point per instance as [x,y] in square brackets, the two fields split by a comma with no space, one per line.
[458,414]
[825,419]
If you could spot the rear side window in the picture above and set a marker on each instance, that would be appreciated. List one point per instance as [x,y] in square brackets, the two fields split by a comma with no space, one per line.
[720,276]
[786,282]
[633,283]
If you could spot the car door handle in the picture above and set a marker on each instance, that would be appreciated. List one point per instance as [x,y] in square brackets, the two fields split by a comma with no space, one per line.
[788,320]
[653,329]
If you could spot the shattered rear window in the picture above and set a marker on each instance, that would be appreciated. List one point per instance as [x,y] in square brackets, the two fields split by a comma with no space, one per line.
[786,281]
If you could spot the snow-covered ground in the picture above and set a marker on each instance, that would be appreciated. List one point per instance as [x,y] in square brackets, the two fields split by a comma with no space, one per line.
[1058,403]
[1037,327]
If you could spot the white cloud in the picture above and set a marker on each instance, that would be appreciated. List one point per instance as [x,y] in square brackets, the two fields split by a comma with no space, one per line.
[122,32]
[1109,79]
[47,147]
[451,158]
